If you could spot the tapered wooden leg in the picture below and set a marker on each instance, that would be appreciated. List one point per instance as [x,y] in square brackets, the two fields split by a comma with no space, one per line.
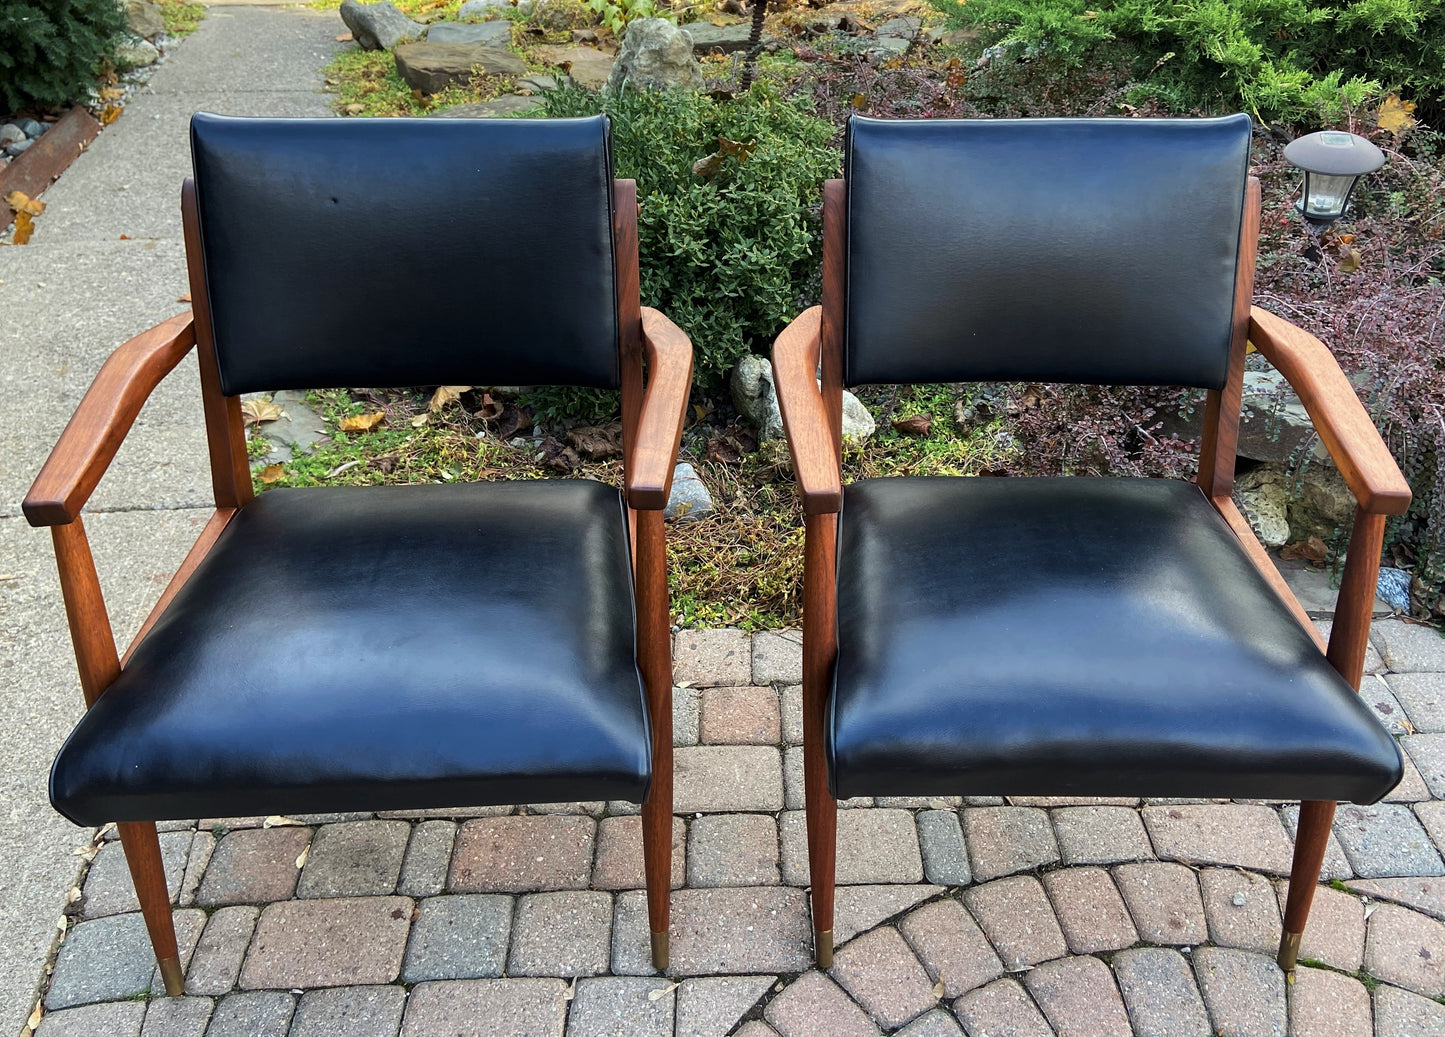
[654,650]
[820,643]
[143,854]
[1309,855]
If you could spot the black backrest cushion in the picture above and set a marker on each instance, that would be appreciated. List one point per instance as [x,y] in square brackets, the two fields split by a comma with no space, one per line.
[1066,250]
[396,252]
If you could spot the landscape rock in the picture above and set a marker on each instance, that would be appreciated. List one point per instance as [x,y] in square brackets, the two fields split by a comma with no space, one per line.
[655,55]
[1263,499]
[538,83]
[432,67]
[135,53]
[144,18]
[756,398]
[509,104]
[378,26]
[480,8]
[32,128]
[18,148]
[492,34]
[11,134]
[689,500]
[899,28]
[707,38]
[588,68]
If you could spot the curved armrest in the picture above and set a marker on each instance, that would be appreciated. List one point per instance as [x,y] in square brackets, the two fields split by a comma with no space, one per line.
[106,413]
[668,352]
[1346,429]
[805,419]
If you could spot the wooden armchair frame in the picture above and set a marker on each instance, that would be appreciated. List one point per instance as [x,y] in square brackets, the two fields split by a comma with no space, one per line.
[656,369]
[812,418]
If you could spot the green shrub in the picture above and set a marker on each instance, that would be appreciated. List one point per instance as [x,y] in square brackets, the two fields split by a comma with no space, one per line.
[729,253]
[50,50]
[1286,60]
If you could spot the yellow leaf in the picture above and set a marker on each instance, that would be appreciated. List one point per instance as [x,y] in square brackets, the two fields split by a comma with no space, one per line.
[1394,115]
[258,410]
[1349,259]
[22,202]
[446,394]
[938,988]
[279,821]
[273,472]
[301,857]
[34,1021]
[420,420]
[109,114]
[24,227]
[362,422]
[859,100]
[112,93]
[659,993]
[699,410]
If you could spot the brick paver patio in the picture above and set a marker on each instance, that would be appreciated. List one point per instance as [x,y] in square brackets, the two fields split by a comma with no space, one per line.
[981,916]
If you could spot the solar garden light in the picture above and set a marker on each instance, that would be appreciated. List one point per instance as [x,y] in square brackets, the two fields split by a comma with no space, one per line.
[1332,162]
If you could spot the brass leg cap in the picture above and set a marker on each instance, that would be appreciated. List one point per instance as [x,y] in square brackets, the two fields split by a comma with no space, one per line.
[660,951]
[823,947]
[171,975]
[1288,950]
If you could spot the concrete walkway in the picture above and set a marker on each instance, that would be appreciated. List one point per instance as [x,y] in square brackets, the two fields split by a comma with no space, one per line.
[66,300]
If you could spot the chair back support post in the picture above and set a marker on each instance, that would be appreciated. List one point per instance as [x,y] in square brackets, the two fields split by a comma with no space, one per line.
[90,631]
[225,430]
[1350,632]
[1220,441]
[629,312]
[835,305]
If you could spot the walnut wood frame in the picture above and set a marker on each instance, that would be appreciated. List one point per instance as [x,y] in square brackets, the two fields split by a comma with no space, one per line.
[807,361]
[656,376]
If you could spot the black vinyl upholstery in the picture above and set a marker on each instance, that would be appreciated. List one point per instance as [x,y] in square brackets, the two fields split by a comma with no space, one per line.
[373,648]
[1063,250]
[396,252]
[1077,636]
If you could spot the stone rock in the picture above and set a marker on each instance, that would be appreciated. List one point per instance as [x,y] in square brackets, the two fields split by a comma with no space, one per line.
[144,18]
[18,148]
[32,128]
[538,83]
[1323,505]
[707,38]
[432,67]
[899,28]
[135,53]
[11,134]
[589,68]
[378,26]
[480,8]
[1393,587]
[689,500]
[492,34]
[756,398]
[655,55]
[496,108]
[1263,499]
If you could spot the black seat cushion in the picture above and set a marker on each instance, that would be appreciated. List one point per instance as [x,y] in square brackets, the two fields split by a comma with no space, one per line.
[372,648]
[1077,636]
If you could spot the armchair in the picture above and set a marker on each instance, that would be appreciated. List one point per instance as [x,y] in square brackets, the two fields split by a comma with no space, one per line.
[1072,636]
[421,646]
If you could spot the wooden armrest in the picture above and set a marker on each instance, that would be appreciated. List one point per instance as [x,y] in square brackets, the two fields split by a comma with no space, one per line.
[668,353]
[105,415]
[805,419]
[1341,420]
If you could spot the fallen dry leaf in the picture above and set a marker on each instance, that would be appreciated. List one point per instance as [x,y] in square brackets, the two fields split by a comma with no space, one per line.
[125,237]
[279,821]
[722,452]
[341,468]
[362,422]
[353,109]
[446,394]
[1349,259]
[272,473]
[659,993]
[1394,115]
[421,419]
[112,93]
[257,410]
[1311,550]
[109,114]
[918,425]
[301,857]
[24,227]
[34,1021]
[22,202]
[939,988]
[597,442]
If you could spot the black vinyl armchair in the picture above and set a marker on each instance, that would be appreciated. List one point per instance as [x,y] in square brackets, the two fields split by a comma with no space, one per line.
[418,646]
[1066,636]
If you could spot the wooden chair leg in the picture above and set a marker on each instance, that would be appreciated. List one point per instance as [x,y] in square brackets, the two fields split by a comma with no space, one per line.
[655,658]
[820,649]
[1315,817]
[142,848]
